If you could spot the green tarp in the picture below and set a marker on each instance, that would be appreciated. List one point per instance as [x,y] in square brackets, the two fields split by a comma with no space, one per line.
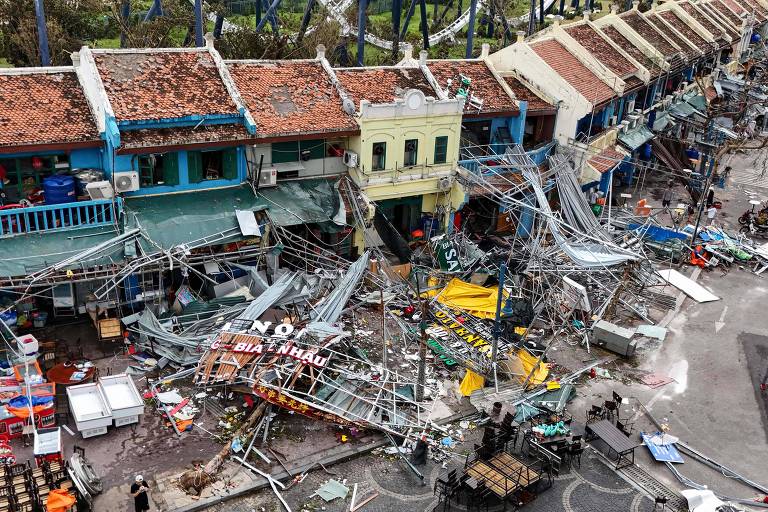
[171,220]
[698,101]
[636,137]
[662,121]
[23,254]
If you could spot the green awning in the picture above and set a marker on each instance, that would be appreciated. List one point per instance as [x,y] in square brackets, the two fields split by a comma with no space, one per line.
[699,102]
[636,137]
[170,220]
[662,122]
[682,109]
[23,254]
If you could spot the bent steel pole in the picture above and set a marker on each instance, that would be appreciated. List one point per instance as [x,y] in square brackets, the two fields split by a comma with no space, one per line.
[471,28]
[362,5]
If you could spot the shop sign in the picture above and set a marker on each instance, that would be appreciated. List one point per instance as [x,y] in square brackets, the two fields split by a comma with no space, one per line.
[470,337]
[286,402]
[286,350]
[448,256]
[436,335]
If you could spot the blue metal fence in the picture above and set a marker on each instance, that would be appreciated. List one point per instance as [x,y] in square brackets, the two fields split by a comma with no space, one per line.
[57,217]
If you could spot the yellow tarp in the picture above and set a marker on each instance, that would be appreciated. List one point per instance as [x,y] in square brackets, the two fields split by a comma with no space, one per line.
[521,362]
[471,382]
[475,300]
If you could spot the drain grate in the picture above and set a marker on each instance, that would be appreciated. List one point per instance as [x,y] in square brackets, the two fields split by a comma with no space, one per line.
[654,488]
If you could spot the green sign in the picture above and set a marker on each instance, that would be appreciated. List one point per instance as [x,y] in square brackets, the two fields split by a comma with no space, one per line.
[447,256]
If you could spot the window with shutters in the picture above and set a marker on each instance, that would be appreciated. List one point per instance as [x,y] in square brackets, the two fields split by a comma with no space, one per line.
[411,152]
[212,165]
[441,149]
[379,160]
[158,169]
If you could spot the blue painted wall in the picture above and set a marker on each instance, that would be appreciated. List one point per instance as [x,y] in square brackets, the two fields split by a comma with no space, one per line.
[91,158]
[125,163]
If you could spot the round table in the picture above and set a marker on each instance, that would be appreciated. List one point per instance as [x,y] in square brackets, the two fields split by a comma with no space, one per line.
[62,374]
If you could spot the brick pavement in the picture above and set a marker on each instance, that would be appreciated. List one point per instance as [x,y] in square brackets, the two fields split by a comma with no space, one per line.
[594,486]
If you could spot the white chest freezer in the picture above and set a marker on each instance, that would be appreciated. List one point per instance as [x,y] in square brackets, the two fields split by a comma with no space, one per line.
[122,398]
[90,409]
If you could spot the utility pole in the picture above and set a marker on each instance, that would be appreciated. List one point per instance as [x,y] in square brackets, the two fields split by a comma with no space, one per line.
[42,34]
[497,324]
[421,377]
[707,184]
[199,23]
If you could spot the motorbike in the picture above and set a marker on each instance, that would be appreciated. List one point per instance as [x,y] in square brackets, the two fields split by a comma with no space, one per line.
[749,214]
[755,228]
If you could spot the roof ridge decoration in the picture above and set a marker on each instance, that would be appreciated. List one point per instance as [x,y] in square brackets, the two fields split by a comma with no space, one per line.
[229,84]
[347,103]
[96,94]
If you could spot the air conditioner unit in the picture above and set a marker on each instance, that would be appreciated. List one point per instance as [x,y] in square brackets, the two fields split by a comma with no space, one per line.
[126,181]
[350,159]
[444,184]
[268,178]
[613,120]
[99,190]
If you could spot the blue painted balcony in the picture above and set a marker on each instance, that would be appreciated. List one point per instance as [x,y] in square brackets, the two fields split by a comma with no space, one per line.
[59,217]
[482,164]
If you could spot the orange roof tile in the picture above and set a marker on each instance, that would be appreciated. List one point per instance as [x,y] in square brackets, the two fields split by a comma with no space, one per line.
[573,71]
[163,85]
[44,108]
[705,21]
[594,43]
[288,97]
[606,160]
[383,84]
[626,45]
[690,51]
[484,84]
[687,32]
[522,92]
[184,136]
[641,25]
[723,10]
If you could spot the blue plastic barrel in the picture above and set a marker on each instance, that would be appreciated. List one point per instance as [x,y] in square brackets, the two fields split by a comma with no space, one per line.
[59,189]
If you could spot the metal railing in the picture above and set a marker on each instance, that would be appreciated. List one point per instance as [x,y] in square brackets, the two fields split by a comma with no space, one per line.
[58,217]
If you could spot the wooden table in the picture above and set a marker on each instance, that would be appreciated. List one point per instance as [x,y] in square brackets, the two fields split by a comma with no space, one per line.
[62,374]
[617,442]
[515,469]
[494,479]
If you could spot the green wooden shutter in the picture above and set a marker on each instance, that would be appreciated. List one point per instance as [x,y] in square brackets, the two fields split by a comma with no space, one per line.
[283,152]
[171,169]
[229,163]
[195,166]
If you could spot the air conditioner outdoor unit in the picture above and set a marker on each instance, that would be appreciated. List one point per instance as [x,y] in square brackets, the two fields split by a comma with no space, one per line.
[99,190]
[444,184]
[350,159]
[268,178]
[613,120]
[126,181]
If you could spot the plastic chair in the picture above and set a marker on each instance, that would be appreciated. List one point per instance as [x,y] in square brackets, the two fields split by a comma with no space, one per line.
[609,410]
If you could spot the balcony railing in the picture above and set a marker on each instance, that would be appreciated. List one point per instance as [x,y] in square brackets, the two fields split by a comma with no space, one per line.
[58,217]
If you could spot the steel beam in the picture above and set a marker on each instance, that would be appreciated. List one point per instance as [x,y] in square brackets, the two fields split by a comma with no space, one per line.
[424,27]
[42,34]
[408,16]
[269,16]
[397,10]
[199,22]
[125,14]
[471,28]
[361,7]
[305,20]
[155,10]
[218,26]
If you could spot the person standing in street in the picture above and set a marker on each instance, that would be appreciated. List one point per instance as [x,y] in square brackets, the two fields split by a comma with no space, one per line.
[710,196]
[666,198]
[711,214]
[139,491]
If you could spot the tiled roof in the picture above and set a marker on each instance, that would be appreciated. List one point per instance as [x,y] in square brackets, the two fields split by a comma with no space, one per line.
[292,96]
[204,134]
[484,84]
[573,71]
[724,11]
[687,32]
[645,29]
[522,92]
[626,45]
[601,49]
[632,83]
[382,85]
[690,51]
[606,160]
[735,7]
[44,108]
[761,13]
[702,19]
[715,15]
[163,85]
